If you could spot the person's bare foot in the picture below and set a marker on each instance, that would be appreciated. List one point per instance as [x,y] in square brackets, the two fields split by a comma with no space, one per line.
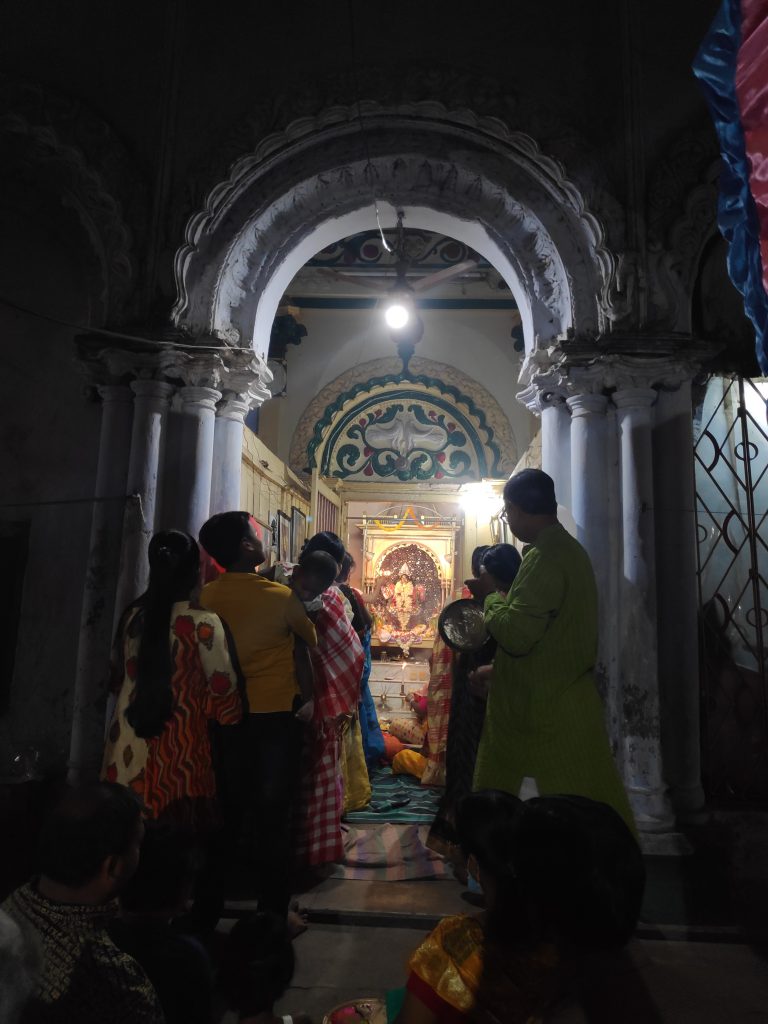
[297,921]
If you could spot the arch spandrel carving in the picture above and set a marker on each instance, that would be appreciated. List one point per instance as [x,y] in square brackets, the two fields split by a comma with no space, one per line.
[80,155]
[433,423]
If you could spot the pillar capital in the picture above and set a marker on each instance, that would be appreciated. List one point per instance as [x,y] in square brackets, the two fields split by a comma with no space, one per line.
[634,398]
[174,357]
[233,408]
[587,405]
[543,392]
[114,393]
[194,397]
[159,390]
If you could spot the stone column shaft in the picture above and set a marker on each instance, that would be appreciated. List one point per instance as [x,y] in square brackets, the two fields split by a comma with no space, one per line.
[149,415]
[228,455]
[677,597]
[86,740]
[556,447]
[198,407]
[639,692]
[589,477]
[591,510]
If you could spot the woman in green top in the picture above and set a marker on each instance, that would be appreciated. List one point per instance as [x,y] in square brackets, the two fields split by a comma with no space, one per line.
[544,719]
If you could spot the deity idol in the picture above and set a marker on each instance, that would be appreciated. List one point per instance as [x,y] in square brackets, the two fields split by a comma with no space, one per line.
[404,596]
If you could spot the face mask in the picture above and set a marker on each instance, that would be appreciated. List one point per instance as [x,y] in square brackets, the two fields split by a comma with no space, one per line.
[315,604]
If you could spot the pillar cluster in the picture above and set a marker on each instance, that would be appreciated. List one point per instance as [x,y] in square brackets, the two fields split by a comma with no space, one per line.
[170,454]
[617,438]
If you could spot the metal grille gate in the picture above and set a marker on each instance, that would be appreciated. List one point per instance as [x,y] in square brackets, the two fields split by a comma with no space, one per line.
[731,460]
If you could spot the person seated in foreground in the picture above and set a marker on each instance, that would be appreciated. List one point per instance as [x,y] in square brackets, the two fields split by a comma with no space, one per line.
[257,966]
[560,875]
[151,905]
[89,849]
[20,965]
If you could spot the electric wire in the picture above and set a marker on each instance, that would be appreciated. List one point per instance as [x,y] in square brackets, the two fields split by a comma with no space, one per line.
[111,334]
[369,168]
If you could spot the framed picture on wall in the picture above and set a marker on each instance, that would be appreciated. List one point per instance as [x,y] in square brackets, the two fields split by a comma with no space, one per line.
[264,534]
[298,532]
[283,539]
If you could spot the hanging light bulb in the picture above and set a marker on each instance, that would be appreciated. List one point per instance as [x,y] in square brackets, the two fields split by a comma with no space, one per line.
[396,315]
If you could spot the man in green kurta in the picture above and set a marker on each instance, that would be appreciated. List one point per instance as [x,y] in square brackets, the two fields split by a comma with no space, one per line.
[544,720]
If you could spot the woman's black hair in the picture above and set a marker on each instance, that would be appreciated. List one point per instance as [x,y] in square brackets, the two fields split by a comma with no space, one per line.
[477,559]
[174,564]
[502,561]
[325,541]
[257,965]
[487,823]
[565,869]
[586,867]
[347,565]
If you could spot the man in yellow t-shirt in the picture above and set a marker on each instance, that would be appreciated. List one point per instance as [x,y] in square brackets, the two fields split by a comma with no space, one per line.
[264,618]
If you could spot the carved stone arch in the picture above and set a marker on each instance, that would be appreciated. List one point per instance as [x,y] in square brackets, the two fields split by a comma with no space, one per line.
[304,187]
[380,383]
[404,87]
[64,144]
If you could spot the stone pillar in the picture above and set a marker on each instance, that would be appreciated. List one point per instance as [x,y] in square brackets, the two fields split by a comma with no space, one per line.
[592,506]
[149,415]
[198,406]
[677,598]
[228,454]
[589,478]
[87,738]
[637,613]
[556,444]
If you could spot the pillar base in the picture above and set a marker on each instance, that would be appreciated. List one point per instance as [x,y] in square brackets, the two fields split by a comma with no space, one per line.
[689,803]
[652,809]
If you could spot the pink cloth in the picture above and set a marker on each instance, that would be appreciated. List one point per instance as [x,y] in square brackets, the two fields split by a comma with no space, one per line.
[752,96]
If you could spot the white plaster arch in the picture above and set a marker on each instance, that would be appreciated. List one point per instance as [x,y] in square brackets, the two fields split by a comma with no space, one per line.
[453,172]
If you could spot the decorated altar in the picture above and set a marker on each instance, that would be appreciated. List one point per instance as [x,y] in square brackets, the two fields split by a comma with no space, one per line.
[408,573]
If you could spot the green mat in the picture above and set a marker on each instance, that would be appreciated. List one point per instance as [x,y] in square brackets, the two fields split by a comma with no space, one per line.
[399,799]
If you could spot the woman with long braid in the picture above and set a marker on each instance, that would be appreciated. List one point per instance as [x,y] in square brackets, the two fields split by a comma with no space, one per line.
[173,673]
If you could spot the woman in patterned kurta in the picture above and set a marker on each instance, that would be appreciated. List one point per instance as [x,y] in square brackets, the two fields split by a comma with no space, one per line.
[173,674]
[544,718]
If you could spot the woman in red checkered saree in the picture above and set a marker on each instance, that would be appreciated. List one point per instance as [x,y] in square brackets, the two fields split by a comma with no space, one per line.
[337,662]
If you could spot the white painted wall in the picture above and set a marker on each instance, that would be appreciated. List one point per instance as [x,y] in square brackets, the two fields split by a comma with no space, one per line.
[477,342]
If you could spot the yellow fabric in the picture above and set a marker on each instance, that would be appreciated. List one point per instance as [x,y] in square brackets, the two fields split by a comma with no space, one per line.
[450,961]
[263,617]
[409,730]
[409,762]
[492,985]
[357,785]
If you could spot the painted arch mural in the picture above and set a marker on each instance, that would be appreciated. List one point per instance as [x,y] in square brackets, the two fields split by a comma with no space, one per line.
[412,426]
